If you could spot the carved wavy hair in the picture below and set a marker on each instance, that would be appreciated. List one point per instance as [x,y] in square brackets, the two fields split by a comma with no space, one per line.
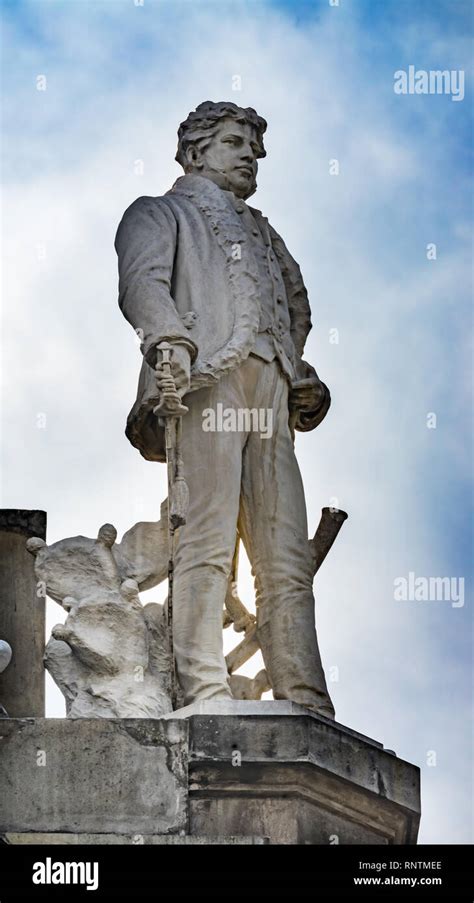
[200,125]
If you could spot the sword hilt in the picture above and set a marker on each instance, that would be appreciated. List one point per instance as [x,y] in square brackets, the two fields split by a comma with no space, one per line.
[170,404]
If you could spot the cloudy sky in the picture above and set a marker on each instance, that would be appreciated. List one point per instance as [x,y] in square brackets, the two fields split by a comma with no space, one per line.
[120,77]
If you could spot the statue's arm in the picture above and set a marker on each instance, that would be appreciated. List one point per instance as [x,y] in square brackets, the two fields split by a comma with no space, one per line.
[146,245]
[311,406]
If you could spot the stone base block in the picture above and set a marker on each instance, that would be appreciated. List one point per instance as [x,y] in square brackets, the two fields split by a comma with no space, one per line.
[237,772]
[93,776]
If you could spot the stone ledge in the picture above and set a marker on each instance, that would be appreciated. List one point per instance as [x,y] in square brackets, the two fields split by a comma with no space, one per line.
[264,708]
[127,839]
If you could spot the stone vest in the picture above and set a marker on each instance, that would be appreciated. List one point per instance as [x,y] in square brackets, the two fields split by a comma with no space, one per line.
[274,329]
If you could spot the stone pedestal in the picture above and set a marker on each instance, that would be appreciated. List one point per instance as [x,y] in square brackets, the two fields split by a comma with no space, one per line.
[302,779]
[240,772]
[22,614]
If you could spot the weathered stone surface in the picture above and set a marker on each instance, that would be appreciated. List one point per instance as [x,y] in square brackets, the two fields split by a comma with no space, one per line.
[111,658]
[331,522]
[142,553]
[22,614]
[249,688]
[131,839]
[264,707]
[298,779]
[79,566]
[25,522]
[293,779]
[93,776]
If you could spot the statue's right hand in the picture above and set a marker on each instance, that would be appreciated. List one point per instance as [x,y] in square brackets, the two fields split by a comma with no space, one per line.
[180,370]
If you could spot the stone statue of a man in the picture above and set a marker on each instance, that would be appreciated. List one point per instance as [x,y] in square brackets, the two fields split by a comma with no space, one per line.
[204,271]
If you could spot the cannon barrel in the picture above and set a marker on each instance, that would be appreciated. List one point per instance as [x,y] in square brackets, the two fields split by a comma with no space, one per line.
[331,522]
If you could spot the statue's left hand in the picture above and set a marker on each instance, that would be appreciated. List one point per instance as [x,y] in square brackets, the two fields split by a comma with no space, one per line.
[309,399]
[307,394]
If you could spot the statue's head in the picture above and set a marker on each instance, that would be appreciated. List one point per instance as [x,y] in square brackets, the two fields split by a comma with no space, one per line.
[223,142]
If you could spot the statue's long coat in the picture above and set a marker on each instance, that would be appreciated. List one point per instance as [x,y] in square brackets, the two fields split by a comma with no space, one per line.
[182,276]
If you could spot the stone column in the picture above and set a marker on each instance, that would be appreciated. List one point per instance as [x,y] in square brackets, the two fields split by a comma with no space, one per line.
[22,614]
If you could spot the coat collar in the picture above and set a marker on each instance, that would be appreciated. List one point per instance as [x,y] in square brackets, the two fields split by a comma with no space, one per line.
[196,187]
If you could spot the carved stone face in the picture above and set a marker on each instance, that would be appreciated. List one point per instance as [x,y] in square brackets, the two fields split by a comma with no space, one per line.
[230,159]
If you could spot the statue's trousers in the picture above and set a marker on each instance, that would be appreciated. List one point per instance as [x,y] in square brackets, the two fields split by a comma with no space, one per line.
[250,479]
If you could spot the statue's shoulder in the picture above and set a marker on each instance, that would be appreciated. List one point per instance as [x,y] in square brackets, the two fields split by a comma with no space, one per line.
[147,204]
[147,212]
